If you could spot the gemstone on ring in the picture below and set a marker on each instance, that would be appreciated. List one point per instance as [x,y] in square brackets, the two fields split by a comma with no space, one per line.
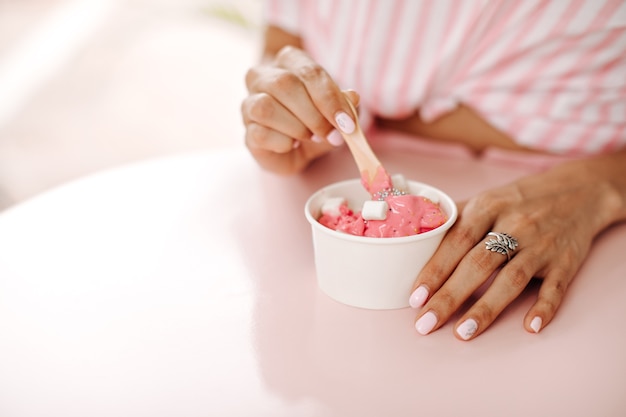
[503,243]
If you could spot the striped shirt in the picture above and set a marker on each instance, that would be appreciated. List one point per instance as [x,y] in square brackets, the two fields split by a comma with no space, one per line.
[549,73]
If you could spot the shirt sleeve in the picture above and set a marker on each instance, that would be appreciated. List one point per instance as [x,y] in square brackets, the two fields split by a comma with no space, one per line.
[284,14]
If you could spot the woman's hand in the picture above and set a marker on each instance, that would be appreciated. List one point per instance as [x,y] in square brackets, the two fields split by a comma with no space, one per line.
[553,215]
[293,111]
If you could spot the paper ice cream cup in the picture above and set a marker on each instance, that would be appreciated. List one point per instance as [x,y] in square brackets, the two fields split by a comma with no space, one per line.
[371,272]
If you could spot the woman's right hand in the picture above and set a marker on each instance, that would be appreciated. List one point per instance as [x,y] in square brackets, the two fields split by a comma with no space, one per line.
[293,111]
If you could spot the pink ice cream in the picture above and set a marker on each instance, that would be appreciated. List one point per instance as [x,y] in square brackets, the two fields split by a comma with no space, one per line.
[407,214]
[378,184]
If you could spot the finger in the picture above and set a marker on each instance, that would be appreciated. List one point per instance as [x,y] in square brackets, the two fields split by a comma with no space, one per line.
[261,137]
[353,96]
[320,86]
[475,219]
[507,285]
[472,272]
[459,240]
[287,89]
[262,109]
[551,294]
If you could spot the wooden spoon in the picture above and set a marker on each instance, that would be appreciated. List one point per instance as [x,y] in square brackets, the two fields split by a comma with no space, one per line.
[374,177]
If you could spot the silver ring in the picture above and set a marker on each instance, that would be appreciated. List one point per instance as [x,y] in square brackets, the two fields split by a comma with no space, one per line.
[503,243]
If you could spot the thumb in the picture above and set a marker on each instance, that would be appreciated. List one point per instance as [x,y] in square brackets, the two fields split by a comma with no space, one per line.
[353,96]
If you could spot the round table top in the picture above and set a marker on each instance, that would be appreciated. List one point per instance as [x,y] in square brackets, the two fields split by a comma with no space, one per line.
[185,286]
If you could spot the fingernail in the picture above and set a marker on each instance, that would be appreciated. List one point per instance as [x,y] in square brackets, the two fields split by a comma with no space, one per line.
[467,329]
[335,138]
[418,297]
[426,323]
[345,122]
[536,324]
[316,139]
[296,144]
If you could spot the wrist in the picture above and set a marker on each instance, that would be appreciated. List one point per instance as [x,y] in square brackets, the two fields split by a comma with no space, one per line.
[605,178]
[610,202]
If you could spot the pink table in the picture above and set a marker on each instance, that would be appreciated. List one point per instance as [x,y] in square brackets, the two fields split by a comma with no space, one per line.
[138,292]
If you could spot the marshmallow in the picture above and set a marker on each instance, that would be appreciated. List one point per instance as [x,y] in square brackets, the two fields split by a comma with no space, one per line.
[398,181]
[331,206]
[374,210]
[431,195]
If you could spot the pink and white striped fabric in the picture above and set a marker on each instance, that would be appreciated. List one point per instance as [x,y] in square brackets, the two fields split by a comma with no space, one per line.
[550,73]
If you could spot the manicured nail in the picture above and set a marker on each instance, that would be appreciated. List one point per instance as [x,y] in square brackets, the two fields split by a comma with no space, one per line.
[345,122]
[419,296]
[426,323]
[316,139]
[335,138]
[467,329]
[296,144]
[536,324]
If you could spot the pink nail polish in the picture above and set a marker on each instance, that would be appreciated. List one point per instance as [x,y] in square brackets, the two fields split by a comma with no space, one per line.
[419,296]
[426,323]
[467,329]
[535,324]
[316,139]
[335,138]
[345,122]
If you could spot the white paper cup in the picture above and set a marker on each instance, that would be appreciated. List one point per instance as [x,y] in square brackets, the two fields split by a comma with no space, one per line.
[370,272]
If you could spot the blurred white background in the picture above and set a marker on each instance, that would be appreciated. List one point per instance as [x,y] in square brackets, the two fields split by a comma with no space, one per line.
[91,84]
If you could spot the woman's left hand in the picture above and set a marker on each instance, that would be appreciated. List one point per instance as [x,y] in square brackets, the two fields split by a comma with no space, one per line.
[553,215]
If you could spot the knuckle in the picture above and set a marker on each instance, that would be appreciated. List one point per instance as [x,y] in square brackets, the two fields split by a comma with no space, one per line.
[463,237]
[529,222]
[486,203]
[522,217]
[553,291]
[328,96]
[319,124]
[256,135]
[549,305]
[312,72]
[251,76]
[556,288]
[478,204]
[560,287]
[260,107]
[245,108]
[444,302]
[481,261]
[562,265]
[517,277]
[432,275]
[549,302]
[285,81]
[483,313]
[261,138]
[573,254]
[285,52]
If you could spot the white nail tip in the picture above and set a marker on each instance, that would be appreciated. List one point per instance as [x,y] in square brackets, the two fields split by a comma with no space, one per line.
[535,324]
